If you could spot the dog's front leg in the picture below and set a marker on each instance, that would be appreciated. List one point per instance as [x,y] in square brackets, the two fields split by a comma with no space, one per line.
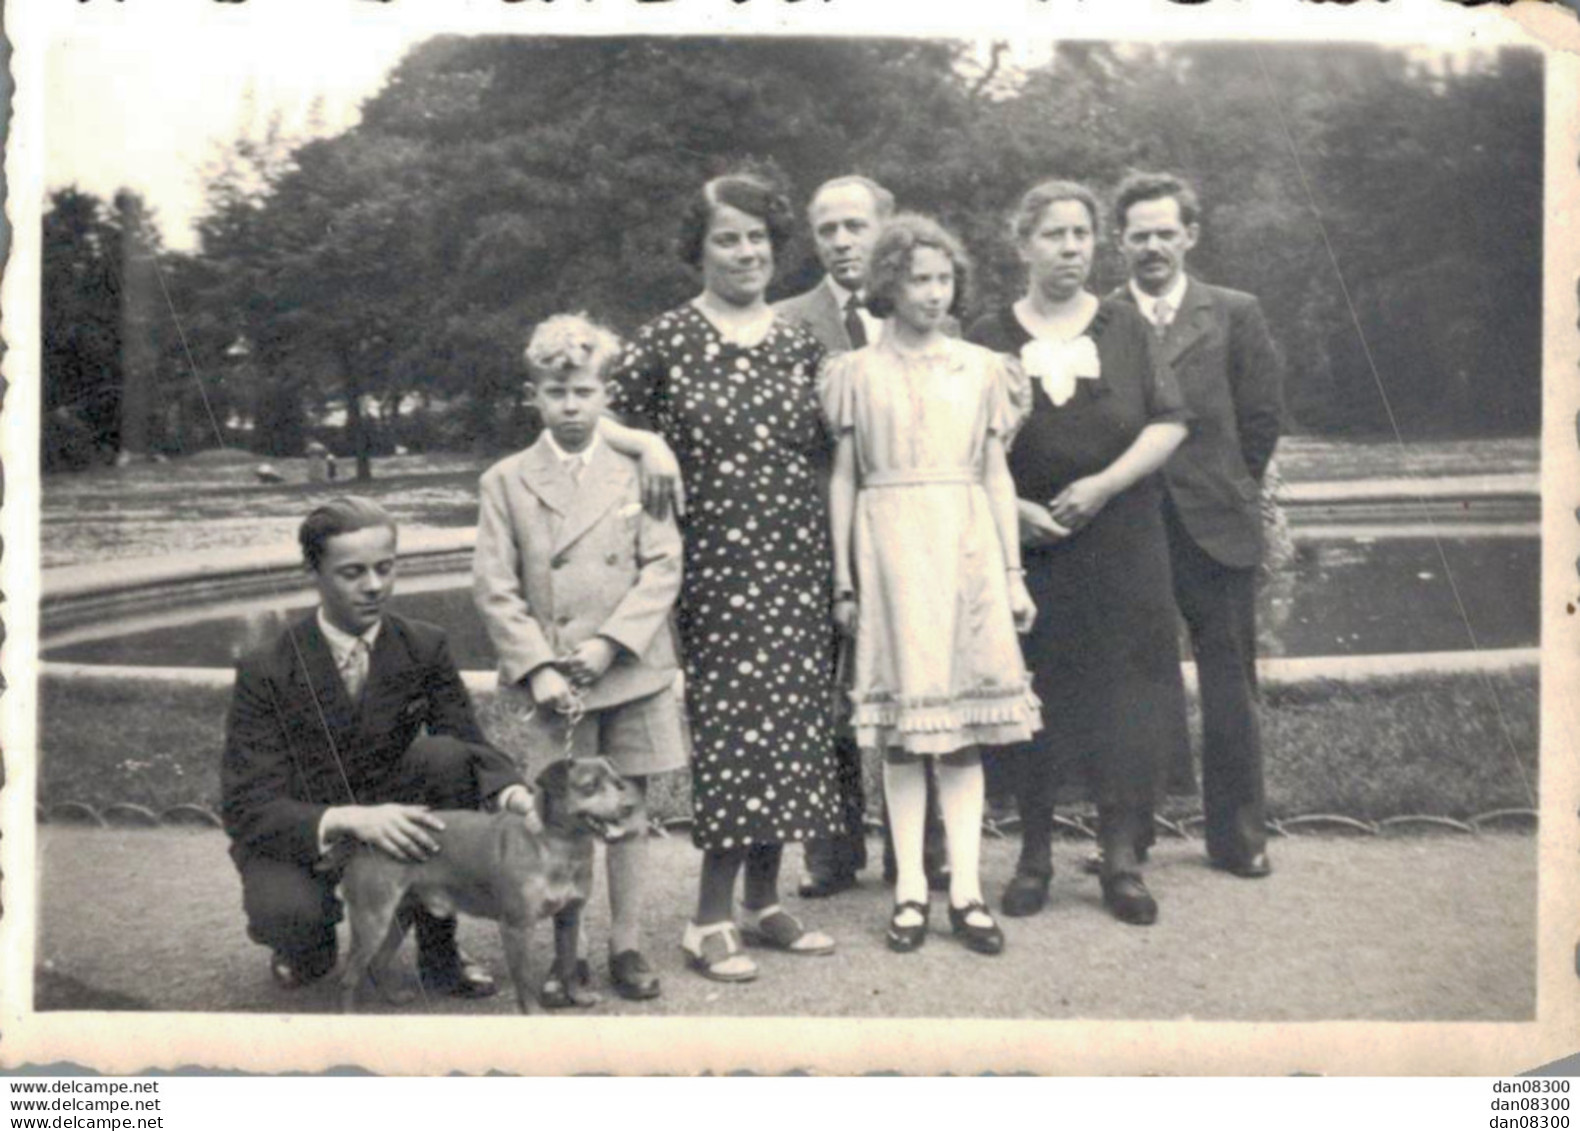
[382,969]
[564,988]
[515,931]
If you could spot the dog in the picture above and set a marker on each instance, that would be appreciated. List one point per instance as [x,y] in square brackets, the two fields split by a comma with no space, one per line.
[492,866]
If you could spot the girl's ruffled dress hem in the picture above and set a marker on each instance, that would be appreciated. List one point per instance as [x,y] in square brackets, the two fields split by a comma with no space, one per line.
[994,718]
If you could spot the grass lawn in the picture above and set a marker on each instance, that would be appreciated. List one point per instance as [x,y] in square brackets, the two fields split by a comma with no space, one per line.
[213,502]
[1444,746]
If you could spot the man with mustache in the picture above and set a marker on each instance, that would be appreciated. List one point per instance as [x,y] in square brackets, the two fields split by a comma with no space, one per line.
[846,215]
[325,745]
[1217,342]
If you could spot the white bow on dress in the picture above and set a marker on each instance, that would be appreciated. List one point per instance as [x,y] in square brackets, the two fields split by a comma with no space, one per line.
[1059,365]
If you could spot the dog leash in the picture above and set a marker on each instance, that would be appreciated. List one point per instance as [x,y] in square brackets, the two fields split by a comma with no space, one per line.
[575,711]
[573,714]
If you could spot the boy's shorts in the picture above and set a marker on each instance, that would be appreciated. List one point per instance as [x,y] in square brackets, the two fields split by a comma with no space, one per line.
[644,736]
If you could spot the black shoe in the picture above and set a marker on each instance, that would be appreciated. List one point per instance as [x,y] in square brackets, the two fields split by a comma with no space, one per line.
[821,885]
[1025,894]
[983,940]
[903,940]
[466,977]
[293,970]
[1128,899]
[1253,867]
[631,976]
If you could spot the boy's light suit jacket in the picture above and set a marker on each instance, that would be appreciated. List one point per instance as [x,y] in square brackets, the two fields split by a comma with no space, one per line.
[559,562]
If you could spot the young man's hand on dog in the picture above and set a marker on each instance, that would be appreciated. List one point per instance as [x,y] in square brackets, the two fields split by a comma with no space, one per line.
[402,831]
[493,868]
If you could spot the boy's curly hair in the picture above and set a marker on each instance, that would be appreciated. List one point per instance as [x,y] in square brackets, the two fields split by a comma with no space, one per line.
[570,343]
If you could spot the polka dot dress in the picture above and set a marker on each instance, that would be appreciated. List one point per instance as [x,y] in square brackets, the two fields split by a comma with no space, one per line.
[754,608]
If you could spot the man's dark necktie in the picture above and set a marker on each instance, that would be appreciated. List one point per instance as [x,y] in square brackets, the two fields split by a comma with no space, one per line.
[853,323]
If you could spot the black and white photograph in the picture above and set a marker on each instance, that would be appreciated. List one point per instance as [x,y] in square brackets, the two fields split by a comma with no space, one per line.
[917,545]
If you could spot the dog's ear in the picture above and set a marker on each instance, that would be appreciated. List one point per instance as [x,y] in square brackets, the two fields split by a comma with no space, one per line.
[555,778]
[551,786]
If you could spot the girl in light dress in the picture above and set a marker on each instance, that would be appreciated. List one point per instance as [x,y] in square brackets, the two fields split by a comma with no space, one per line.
[927,568]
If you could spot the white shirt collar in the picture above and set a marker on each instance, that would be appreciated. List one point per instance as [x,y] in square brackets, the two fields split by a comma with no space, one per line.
[585,455]
[1174,296]
[342,642]
[842,294]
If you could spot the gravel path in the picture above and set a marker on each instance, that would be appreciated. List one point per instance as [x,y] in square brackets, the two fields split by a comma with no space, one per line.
[1408,929]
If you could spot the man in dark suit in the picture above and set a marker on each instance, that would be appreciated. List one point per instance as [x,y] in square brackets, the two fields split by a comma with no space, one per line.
[1224,359]
[846,215]
[322,748]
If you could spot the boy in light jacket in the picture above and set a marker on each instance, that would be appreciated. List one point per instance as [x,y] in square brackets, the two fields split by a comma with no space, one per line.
[575,584]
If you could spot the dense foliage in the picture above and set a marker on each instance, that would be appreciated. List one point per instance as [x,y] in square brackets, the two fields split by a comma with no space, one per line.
[1385,205]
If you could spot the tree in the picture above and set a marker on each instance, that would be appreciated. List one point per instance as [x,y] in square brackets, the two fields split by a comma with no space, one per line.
[118,381]
[234,335]
[80,311]
[493,181]
[1433,190]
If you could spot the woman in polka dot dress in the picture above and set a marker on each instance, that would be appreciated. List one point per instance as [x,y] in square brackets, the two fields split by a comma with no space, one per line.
[731,387]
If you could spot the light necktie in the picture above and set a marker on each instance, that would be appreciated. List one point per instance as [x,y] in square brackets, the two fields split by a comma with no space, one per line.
[1162,316]
[854,326]
[573,468]
[354,670]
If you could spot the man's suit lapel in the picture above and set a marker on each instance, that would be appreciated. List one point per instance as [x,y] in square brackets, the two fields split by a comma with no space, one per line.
[831,316]
[606,480]
[382,665]
[1191,324]
[542,474]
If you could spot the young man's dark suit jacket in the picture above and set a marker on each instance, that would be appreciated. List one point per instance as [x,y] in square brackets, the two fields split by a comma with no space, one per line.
[1230,372]
[295,744]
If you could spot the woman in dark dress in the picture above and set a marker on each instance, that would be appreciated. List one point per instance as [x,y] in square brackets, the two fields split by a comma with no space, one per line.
[1106,415]
[731,387]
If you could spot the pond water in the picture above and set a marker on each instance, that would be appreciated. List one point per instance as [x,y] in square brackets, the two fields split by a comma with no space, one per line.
[1363,597]
[1339,597]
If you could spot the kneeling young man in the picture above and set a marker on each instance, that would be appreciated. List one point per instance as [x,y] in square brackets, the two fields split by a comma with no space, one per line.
[352,724]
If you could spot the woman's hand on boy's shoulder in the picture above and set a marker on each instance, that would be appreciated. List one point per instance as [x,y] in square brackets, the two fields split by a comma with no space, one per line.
[659,473]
